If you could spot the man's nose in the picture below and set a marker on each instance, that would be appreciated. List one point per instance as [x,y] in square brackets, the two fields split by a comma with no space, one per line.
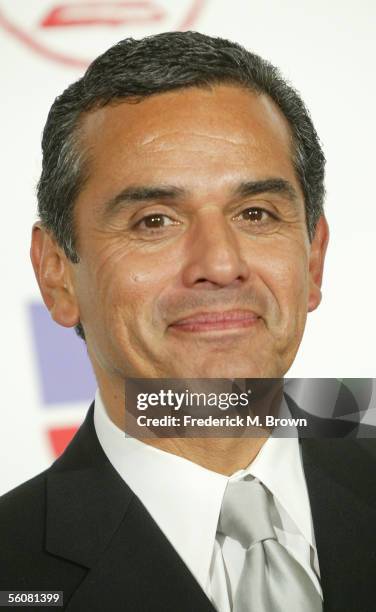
[214,256]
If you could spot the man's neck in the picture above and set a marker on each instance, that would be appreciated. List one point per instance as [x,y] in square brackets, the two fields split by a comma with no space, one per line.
[221,455]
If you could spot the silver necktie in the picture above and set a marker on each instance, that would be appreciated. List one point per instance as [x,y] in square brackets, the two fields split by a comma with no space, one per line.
[271,579]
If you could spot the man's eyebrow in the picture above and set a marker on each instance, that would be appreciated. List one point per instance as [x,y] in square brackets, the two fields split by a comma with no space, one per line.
[144,193]
[270,185]
[150,193]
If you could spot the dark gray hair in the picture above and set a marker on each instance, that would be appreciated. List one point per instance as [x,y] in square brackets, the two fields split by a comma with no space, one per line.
[135,69]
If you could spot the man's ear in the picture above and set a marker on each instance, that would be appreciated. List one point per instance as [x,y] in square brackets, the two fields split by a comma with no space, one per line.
[316,262]
[53,272]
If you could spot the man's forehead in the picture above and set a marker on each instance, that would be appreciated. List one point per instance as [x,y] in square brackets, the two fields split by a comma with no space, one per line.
[229,113]
[204,141]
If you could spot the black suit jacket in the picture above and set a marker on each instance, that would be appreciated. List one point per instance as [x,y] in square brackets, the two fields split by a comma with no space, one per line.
[78,528]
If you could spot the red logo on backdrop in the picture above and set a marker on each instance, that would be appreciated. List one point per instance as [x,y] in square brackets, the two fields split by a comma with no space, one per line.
[59,438]
[74,33]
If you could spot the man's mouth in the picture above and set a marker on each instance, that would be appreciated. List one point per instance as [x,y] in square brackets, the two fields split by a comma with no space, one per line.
[216,321]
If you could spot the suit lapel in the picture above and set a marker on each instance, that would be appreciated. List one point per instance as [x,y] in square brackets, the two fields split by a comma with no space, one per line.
[341,484]
[95,520]
[139,571]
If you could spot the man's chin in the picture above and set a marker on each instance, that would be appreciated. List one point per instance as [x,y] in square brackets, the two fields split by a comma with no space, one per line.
[223,368]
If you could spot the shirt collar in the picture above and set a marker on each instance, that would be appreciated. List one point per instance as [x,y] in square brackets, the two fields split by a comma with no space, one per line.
[279,467]
[182,497]
[185,499]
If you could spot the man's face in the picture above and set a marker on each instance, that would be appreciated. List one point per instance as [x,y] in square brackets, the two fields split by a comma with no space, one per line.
[194,254]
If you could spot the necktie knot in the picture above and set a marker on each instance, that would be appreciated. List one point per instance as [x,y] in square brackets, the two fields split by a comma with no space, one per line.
[271,578]
[245,515]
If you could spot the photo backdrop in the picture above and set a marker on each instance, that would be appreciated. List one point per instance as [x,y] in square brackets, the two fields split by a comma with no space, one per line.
[326,49]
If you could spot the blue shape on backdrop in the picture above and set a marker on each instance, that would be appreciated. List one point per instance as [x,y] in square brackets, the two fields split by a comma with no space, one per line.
[65,372]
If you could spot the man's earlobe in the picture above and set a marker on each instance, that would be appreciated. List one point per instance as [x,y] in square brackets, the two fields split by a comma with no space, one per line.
[53,273]
[316,262]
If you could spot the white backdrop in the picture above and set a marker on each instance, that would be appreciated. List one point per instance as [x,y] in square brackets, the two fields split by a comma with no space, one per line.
[327,49]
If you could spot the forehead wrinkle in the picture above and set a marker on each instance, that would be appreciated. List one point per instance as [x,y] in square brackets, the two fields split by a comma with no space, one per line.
[181,134]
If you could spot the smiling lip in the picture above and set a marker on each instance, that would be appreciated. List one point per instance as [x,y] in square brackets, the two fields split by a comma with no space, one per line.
[207,321]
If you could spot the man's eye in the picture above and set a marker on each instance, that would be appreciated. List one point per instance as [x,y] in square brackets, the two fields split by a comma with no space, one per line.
[155,221]
[255,215]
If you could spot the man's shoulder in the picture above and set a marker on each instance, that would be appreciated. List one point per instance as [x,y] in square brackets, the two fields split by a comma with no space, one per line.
[25,563]
[25,560]
[23,508]
[20,507]
[360,449]
[369,446]
[341,453]
[350,463]
[22,512]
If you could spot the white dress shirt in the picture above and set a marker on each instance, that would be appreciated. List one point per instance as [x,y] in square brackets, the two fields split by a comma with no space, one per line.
[185,500]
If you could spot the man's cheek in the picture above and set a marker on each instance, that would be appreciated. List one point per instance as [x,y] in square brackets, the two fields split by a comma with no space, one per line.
[288,282]
[290,270]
